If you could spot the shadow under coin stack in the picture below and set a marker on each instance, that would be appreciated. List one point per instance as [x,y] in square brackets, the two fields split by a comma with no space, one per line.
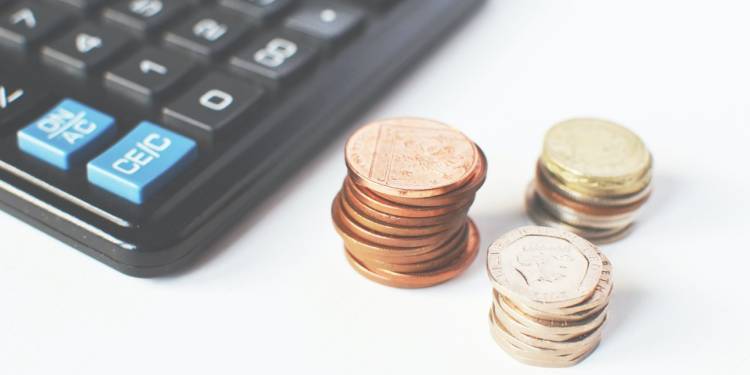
[402,211]
[592,179]
[551,291]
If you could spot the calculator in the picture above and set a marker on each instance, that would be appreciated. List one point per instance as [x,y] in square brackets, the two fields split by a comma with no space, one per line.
[140,131]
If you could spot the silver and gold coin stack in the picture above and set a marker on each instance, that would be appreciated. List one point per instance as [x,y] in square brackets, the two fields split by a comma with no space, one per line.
[550,297]
[592,178]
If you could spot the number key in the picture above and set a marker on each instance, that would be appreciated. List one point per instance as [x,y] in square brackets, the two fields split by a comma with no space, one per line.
[261,10]
[85,48]
[277,56]
[208,33]
[144,15]
[148,74]
[28,23]
[212,105]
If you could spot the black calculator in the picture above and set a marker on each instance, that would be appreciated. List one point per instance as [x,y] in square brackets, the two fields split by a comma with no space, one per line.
[139,131]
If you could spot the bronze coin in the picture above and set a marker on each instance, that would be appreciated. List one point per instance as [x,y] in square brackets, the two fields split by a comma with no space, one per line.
[395,256]
[353,240]
[427,265]
[459,194]
[425,279]
[398,230]
[383,205]
[385,217]
[410,157]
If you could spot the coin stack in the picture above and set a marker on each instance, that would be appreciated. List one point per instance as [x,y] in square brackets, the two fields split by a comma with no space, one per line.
[402,211]
[551,291]
[592,179]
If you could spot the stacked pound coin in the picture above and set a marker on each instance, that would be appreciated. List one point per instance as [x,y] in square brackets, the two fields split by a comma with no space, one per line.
[551,291]
[592,179]
[402,211]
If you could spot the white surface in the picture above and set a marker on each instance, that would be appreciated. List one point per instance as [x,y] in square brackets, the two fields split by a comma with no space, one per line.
[278,297]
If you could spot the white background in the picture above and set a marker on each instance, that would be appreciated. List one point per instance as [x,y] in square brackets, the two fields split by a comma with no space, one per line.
[277,296]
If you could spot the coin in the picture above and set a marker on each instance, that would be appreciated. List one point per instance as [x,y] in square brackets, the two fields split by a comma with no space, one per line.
[540,216]
[378,203]
[410,157]
[551,290]
[425,279]
[545,267]
[385,217]
[596,157]
[399,230]
[460,194]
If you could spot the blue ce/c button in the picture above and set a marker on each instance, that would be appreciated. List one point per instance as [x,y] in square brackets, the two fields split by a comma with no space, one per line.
[142,162]
[67,134]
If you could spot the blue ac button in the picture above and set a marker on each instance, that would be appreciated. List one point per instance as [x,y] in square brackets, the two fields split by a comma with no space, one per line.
[142,162]
[67,134]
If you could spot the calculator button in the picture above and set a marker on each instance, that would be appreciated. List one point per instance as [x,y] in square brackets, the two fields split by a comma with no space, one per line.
[277,56]
[15,98]
[328,21]
[211,105]
[208,32]
[148,73]
[27,23]
[86,48]
[67,134]
[261,10]
[144,15]
[142,162]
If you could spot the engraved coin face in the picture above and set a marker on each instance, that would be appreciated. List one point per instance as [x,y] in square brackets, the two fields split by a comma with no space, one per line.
[545,266]
[410,157]
[595,151]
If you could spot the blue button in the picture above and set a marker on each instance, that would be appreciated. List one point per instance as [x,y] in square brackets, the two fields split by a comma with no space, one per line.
[67,134]
[142,162]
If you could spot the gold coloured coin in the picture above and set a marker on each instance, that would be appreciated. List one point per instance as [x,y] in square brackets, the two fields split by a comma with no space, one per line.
[596,157]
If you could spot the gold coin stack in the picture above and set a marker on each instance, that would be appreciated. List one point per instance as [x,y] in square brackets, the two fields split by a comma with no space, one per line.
[402,211]
[550,297]
[592,179]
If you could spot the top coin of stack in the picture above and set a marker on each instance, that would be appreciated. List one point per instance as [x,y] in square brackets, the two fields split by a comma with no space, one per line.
[592,178]
[550,298]
[402,211]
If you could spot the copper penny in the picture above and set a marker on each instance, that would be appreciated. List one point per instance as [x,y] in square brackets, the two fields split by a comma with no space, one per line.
[425,279]
[427,265]
[385,217]
[410,157]
[383,205]
[389,240]
[344,226]
[459,194]
[398,230]
[396,256]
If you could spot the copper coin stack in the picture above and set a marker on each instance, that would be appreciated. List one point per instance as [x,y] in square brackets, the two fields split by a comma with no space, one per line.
[402,211]
[550,297]
[592,179]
